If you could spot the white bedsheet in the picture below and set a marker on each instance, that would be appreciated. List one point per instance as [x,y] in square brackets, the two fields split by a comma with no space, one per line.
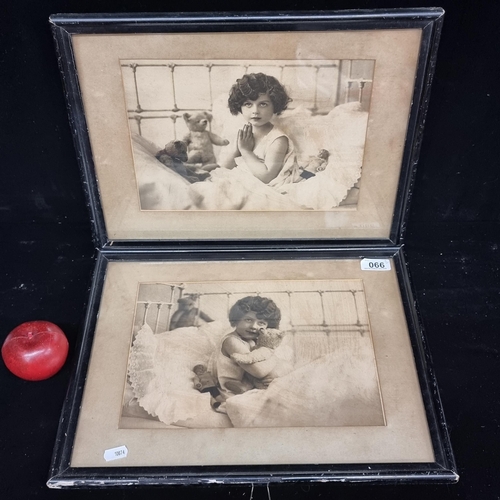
[342,132]
[339,388]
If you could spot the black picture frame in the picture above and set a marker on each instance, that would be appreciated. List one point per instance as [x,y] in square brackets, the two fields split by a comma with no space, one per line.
[427,21]
[315,249]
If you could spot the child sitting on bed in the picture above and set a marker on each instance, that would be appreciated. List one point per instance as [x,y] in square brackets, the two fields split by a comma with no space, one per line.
[261,148]
[249,316]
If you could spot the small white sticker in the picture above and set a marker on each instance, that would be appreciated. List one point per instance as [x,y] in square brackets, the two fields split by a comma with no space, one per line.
[115,453]
[375,265]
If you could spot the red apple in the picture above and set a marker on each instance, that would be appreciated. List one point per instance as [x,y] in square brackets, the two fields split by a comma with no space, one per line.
[35,350]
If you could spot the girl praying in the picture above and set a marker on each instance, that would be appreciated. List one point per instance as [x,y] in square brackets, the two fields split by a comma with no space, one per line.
[261,148]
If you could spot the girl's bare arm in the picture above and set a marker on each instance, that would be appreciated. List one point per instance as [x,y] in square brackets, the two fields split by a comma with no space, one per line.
[228,160]
[258,370]
[268,169]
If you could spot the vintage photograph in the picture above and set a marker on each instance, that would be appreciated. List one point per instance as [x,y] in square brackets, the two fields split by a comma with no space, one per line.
[252,354]
[249,135]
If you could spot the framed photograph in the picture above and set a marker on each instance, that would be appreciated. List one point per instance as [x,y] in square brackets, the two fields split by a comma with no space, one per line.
[251,318]
[194,372]
[248,126]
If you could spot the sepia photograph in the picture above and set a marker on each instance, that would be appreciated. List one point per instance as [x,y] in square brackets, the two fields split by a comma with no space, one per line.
[248,134]
[252,354]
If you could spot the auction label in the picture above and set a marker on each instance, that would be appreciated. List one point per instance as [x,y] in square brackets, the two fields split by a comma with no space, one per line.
[375,265]
[115,453]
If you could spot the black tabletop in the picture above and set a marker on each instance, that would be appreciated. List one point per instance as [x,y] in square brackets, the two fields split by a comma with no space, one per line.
[452,244]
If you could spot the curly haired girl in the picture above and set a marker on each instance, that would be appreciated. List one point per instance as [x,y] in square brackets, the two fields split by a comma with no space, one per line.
[249,316]
[260,147]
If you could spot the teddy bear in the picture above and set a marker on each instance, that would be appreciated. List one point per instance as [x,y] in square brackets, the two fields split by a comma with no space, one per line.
[316,164]
[174,156]
[200,141]
[267,341]
[187,313]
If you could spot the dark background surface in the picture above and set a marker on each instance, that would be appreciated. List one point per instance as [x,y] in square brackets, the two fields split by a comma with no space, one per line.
[452,245]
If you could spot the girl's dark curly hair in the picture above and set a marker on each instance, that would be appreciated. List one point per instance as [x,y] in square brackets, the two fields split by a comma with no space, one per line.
[251,86]
[263,308]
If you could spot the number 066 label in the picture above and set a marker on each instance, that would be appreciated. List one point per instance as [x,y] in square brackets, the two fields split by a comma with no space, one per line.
[375,264]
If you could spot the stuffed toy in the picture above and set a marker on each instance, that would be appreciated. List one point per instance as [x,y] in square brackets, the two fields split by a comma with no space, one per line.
[267,341]
[204,381]
[316,164]
[174,155]
[200,141]
[187,313]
